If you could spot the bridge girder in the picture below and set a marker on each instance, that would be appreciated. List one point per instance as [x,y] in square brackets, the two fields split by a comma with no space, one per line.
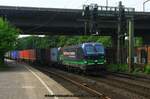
[67,21]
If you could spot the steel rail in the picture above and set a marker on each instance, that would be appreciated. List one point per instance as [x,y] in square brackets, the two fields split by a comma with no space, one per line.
[134,88]
[83,86]
[132,77]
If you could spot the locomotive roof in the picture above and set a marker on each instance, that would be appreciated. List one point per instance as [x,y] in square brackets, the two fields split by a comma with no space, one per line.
[92,43]
[80,45]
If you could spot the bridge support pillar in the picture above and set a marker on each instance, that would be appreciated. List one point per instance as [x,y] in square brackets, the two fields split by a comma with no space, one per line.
[114,41]
[114,47]
[131,44]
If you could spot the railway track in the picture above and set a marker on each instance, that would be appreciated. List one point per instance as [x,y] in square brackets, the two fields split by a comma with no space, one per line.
[133,77]
[136,88]
[139,86]
[117,81]
[94,94]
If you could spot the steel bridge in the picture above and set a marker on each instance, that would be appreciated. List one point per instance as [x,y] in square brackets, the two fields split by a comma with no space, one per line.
[54,21]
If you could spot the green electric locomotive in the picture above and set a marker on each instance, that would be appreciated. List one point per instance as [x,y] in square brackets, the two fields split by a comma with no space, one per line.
[86,56]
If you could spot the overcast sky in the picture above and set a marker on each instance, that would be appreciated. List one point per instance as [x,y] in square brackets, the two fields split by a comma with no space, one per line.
[137,4]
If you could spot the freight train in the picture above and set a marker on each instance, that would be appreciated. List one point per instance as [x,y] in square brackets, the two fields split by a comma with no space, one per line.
[85,56]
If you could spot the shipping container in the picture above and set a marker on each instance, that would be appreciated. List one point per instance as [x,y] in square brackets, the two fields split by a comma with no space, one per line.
[32,55]
[23,54]
[20,54]
[47,56]
[14,55]
[43,56]
[26,54]
[54,54]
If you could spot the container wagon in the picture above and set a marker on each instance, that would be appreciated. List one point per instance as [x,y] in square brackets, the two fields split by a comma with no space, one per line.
[43,56]
[54,54]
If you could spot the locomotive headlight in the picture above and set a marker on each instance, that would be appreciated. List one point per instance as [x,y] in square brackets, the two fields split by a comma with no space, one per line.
[85,62]
[96,60]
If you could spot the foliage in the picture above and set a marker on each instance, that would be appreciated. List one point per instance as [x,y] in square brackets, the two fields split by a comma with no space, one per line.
[124,68]
[59,41]
[117,67]
[23,43]
[8,35]
[32,42]
[137,70]
[147,69]
[138,41]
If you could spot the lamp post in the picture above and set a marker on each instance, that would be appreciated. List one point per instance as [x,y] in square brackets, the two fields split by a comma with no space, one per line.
[144,4]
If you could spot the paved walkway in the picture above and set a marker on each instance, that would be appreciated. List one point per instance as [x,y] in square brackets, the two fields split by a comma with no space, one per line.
[23,82]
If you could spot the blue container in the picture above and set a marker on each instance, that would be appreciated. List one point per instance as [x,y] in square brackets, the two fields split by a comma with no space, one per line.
[14,55]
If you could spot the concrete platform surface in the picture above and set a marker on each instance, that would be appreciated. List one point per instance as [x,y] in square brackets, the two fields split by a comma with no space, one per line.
[24,82]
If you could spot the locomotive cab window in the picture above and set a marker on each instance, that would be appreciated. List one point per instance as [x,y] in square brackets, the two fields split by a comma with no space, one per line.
[89,49]
[99,49]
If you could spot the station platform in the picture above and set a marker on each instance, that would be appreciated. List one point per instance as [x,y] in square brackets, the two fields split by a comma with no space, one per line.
[21,81]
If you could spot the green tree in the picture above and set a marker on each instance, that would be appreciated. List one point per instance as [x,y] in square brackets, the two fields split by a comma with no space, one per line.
[59,41]
[105,40]
[8,35]
[42,42]
[24,43]
[138,41]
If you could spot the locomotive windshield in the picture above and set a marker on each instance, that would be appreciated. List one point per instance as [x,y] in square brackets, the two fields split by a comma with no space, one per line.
[99,49]
[90,49]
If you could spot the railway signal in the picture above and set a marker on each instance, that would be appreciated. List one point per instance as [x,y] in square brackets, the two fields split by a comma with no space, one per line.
[90,14]
[123,22]
[86,11]
[86,15]
[94,19]
[95,11]
[121,34]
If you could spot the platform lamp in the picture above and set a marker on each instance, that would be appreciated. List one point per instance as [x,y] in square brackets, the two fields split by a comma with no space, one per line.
[144,5]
